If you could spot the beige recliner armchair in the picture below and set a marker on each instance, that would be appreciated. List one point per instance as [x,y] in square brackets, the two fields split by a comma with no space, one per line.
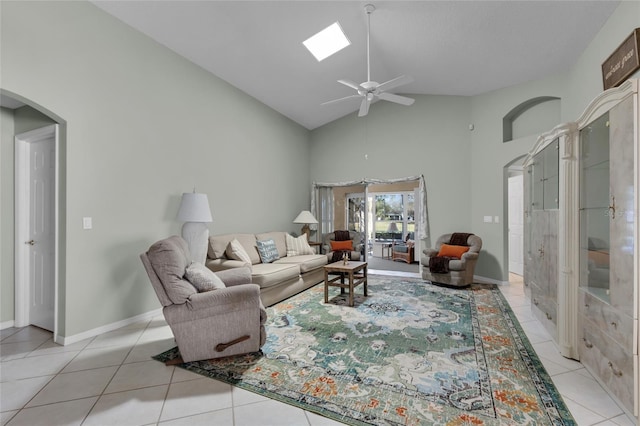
[212,324]
[447,269]
[354,237]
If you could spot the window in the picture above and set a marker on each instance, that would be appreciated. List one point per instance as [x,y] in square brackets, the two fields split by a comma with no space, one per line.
[394,216]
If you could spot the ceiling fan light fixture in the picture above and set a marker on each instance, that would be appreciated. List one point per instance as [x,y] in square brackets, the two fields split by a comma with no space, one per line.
[327,42]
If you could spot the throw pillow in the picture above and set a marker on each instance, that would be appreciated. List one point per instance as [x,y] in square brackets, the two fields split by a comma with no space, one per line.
[298,246]
[452,251]
[235,251]
[267,250]
[341,245]
[202,278]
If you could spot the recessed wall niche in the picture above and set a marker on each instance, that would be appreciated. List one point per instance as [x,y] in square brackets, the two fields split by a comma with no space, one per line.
[531,117]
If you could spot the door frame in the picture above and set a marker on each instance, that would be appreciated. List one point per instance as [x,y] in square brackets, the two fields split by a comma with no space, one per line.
[22,192]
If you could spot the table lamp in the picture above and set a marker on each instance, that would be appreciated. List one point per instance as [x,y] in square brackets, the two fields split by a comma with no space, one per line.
[305,217]
[195,213]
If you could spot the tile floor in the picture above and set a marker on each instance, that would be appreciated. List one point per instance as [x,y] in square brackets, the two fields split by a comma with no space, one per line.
[110,379]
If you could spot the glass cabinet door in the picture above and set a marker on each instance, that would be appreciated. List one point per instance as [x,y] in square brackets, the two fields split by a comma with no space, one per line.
[594,208]
[551,182]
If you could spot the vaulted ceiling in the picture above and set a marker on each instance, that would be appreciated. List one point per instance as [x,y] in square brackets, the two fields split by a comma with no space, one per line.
[448,47]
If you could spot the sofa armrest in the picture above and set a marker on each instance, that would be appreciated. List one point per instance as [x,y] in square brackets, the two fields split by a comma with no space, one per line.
[217,265]
[235,276]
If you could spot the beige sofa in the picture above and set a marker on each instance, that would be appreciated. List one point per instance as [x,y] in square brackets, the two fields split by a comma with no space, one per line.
[279,279]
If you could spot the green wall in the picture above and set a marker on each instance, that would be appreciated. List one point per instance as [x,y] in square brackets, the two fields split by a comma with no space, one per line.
[12,123]
[464,170]
[143,125]
[429,138]
[6,215]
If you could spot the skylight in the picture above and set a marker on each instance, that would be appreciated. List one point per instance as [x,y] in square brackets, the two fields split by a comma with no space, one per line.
[327,42]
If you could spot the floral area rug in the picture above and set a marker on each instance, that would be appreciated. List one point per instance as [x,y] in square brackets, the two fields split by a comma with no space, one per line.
[411,353]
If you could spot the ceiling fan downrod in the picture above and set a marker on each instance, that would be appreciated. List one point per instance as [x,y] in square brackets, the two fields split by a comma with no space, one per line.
[369,8]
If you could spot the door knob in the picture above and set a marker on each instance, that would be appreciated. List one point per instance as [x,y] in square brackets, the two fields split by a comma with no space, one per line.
[30,242]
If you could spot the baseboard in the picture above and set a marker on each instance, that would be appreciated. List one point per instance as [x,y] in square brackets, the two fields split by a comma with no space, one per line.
[489,280]
[6,324]
[68,340]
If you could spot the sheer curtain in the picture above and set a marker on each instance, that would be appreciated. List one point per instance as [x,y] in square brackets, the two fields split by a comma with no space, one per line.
[322,206]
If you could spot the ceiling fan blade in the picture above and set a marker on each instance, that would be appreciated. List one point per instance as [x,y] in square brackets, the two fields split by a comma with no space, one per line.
[341,99]
[397,99]
[349,83]
[398,81]
[364,107]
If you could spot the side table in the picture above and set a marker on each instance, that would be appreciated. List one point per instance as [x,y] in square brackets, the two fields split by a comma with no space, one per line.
[355,271]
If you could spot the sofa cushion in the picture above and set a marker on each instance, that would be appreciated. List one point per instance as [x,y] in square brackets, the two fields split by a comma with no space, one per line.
[267,250]
[236,251]
[306,262]
[218,245]
[269,274]
[169,259]
[279,237]
[298,246]
[203,278]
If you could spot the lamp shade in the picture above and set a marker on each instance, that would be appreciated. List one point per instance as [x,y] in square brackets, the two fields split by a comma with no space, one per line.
[194,208]
[305,216]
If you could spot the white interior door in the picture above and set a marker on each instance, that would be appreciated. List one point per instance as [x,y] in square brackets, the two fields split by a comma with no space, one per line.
[36,235]
[516,224]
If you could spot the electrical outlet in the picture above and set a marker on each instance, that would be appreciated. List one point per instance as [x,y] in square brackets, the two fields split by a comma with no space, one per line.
[87,223]
[496,219]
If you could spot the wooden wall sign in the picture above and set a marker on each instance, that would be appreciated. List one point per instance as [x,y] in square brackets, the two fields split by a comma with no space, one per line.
[623,62]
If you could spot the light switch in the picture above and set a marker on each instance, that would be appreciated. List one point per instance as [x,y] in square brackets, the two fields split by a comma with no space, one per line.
[87,223]
[488,219]
[496,219]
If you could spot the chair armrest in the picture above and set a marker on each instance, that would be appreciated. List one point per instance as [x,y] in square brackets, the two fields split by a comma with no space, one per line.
[225,300]
[469,256]
[429,252]
[235,276]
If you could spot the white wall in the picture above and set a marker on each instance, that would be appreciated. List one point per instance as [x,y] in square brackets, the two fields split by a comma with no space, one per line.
[143,125]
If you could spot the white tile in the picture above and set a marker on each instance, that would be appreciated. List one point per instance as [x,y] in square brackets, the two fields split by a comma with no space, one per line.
[582,415]
[17,350]
[116,338]
[67,413]
[79,384]
[144,351]
[586,392]
[140,374]
[547,351]
[16,394]
[269,413]
[5,416]
[34,366]
[220,417]
[624,420]
[244,397]
[156,333]
[48,348]
[318,420]
[196,397]
[29,334]
[182,375]
[6,332]
[97,358]
[136,407]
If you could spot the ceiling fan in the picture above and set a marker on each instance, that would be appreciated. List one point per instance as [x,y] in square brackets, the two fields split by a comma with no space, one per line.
[369,90]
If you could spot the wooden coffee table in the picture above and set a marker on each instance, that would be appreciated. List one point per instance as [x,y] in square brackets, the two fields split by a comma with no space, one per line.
[355,271]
